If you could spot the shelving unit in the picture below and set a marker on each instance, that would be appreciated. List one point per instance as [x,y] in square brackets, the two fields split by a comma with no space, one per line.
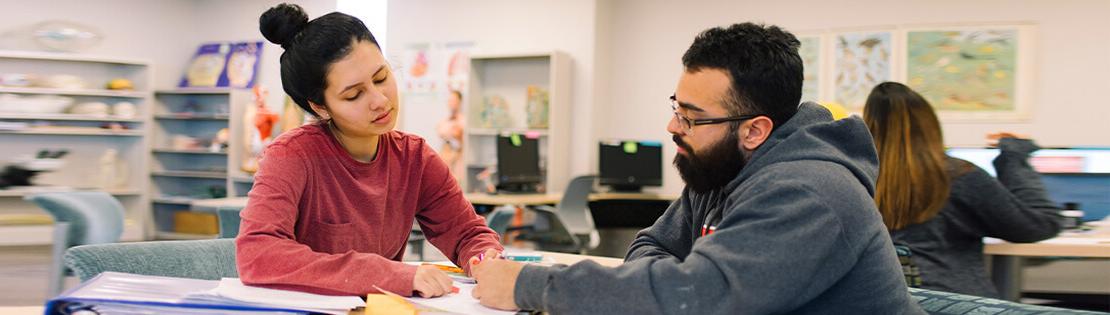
[509,75]
[181,174]
[81,135]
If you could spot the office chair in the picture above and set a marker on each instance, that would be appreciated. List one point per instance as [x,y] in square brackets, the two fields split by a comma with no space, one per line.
[80,218]
[197,259]
[569,226]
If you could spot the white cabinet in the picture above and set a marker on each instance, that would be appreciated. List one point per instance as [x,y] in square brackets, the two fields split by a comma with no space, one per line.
[501,88]
[38,94]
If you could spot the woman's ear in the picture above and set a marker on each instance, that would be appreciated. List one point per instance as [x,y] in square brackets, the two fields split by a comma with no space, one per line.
[320,110]
[757,131]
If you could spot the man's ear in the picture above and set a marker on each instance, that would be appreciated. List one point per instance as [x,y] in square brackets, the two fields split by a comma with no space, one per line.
[757,131]
[320,110]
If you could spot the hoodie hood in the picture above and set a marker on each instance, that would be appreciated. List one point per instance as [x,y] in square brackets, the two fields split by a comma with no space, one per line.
[812,134]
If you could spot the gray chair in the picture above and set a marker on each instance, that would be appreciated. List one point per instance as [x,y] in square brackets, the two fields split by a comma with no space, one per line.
[80,218]
[569,226]
[198,259]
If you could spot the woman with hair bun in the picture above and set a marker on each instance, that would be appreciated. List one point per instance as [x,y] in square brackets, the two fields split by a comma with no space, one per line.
[333,202]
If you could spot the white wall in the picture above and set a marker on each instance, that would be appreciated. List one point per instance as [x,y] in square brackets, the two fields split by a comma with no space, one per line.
[225,21]
[1073,57]
[155,31]
[496,26]
[166,33]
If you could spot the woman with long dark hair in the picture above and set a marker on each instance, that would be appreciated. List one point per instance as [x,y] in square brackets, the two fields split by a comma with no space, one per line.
[941,207]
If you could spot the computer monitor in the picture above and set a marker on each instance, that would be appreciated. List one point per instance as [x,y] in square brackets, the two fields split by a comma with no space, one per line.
[1080,176]
[629,165]
[518,163]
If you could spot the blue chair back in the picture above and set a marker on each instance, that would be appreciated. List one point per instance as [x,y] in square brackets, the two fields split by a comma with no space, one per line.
[94,217]
[197,259]
[229,221]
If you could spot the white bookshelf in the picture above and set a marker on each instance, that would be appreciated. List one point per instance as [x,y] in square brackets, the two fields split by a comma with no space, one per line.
[81,135]
[179,176]
[508,75]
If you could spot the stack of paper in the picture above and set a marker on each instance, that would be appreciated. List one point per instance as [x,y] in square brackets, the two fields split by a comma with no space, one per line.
[122,293]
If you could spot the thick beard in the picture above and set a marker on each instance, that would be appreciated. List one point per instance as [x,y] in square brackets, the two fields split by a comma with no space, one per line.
[712,169]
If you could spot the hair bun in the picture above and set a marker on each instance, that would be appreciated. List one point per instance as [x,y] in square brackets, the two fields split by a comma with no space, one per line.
[281,23]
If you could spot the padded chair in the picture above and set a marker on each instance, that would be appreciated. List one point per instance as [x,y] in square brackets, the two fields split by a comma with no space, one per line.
[569,226]
[80,218]
[945,303]
[229,221]
[197,259]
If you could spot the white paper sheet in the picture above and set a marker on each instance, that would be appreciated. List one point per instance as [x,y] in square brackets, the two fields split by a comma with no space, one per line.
[233,289]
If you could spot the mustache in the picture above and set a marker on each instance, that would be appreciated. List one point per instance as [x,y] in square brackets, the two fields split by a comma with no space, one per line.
[678,141]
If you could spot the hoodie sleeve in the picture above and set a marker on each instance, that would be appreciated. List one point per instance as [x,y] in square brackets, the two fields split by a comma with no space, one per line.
[1015,207]
[779,245]
[669,236]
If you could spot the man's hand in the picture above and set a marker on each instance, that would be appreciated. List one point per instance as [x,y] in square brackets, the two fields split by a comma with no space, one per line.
[429,281]
[496,282]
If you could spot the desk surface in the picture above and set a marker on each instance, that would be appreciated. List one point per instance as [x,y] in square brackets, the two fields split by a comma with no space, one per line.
[1094,244]
[558,257]
[477,198]
[553,198]
[213,204]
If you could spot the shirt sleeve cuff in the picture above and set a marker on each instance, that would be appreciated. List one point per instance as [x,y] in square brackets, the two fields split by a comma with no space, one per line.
[531,284]
[401,284]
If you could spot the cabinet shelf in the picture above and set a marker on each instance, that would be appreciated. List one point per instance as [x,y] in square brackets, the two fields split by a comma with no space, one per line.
[74,132]
[69,57]
[24,191]
[174,151]
[73,92]
[189,116]
[194,91]
[190,174]
[66,117]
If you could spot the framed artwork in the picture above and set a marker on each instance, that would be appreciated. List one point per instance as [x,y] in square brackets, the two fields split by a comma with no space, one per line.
[810,51]
[971,72]
[861,60]
[223,65]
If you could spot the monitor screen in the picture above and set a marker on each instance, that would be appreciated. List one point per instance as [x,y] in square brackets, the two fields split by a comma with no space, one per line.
[1078,175]
[630,163]
[518,160]
[1047,161]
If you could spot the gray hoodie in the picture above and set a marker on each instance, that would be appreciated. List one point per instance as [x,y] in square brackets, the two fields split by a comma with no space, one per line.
[797,232]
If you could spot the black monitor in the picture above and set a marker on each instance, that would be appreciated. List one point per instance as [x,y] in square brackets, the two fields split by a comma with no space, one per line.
[629,165]
[518,163]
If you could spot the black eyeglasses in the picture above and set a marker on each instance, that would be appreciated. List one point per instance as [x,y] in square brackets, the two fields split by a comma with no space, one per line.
[688,124]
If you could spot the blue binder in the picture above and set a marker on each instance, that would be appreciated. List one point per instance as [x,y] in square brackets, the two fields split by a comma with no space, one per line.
[122,293]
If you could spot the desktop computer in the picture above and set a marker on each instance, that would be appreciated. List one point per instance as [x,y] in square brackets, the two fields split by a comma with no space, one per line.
[518,164]
[629,165]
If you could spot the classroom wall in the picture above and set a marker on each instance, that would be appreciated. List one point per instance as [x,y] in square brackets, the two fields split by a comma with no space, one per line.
[1073,56]
[165,33]
[496,26]
[155,31]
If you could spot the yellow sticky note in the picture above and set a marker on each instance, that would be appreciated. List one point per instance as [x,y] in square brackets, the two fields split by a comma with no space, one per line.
[387,305]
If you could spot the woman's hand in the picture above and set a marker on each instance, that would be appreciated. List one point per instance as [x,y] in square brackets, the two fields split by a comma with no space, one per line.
[431,282]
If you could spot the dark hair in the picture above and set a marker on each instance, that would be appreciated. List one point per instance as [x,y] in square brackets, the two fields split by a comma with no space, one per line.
[310,48]
[763,63]
[913,183]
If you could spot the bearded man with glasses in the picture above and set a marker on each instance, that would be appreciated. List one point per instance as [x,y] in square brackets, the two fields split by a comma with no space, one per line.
[777,216]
